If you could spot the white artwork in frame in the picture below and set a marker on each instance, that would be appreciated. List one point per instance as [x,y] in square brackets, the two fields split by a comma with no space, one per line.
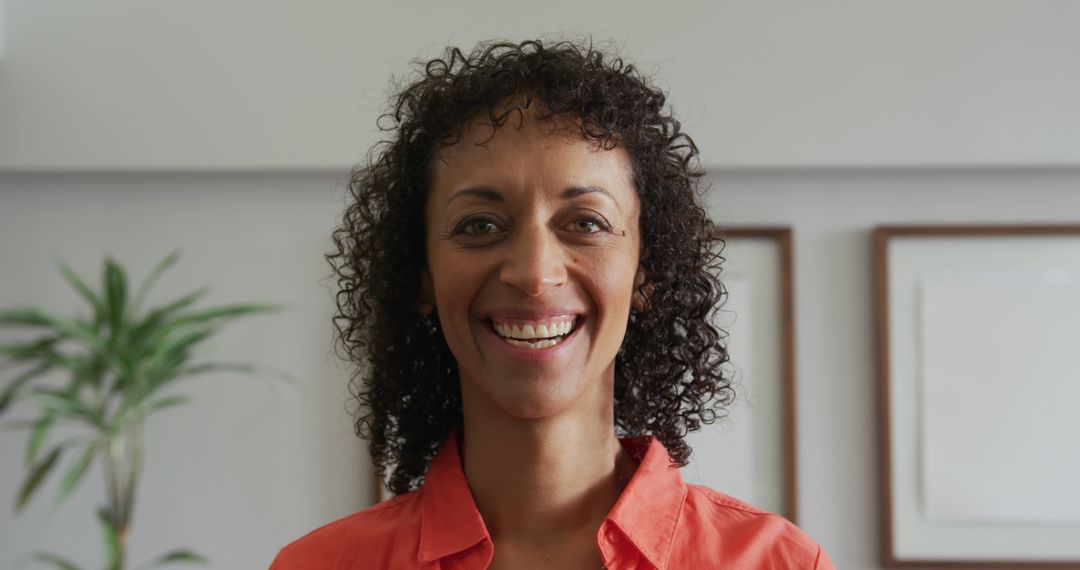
[976,344]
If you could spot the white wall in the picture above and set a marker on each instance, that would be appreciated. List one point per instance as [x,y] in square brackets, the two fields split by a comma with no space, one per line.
[278,84]
[832,213]
[254,461]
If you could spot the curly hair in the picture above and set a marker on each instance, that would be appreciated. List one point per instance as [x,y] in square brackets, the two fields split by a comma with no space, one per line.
[407,396]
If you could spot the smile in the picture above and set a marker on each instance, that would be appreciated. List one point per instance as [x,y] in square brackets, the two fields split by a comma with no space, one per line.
[534,334]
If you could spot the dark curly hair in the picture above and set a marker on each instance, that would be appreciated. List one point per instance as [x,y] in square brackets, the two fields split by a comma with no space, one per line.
[668,378]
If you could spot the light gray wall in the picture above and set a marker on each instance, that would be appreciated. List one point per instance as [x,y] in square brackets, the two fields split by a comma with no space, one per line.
[279,84]
[255,461]
[832,213]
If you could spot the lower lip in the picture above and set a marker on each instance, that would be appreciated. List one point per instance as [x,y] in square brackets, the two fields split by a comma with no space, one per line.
[533,354]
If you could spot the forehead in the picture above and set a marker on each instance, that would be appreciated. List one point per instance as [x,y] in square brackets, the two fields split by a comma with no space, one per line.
[529,153]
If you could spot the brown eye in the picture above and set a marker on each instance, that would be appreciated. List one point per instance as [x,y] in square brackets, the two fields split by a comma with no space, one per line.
[477,227]
[589,225]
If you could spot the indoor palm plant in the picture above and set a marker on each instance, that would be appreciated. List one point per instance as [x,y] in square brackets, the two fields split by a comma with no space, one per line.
[117,366]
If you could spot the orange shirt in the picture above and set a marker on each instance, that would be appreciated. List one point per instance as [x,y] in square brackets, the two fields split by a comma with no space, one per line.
[658,522]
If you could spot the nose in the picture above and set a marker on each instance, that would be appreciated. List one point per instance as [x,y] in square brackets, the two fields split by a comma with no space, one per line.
[535,261]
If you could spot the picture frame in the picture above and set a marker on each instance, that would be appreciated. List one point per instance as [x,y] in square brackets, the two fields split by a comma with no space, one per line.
[750,454]
[974,384]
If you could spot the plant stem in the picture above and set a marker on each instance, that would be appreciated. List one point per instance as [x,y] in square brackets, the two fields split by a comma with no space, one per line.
[135,469]
[113,461]
[112,484]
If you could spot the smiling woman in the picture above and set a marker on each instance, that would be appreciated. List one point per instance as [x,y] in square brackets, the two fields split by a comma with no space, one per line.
[527,283]
[551,241]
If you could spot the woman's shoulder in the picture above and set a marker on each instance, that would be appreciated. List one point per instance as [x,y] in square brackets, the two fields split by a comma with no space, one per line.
[746,535]
[726,507]
[382,526]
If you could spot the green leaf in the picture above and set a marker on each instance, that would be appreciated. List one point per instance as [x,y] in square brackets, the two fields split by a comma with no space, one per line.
[112,538]
[12,389]
[178,556]
[80,286]
[76,472]
[215,367]
[93,368]
[24,351]
[229,311]
[37,474]
[167,402]
[64,403]
[58,562]
[156,317]
[115,294]
[58,401]
[24,316]
[183,340]
[34,317]
[151,280]
[170,353]
[38,436]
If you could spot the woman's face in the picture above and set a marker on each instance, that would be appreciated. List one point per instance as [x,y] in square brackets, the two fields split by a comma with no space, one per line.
[532,249]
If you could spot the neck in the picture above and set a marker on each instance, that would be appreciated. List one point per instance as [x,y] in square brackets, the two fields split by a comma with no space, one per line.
[541,481]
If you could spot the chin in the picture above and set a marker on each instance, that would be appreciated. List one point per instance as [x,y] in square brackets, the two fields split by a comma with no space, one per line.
[534,398]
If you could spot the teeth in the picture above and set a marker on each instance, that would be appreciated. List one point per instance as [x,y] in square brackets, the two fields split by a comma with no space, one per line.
[538,331]
[546,343]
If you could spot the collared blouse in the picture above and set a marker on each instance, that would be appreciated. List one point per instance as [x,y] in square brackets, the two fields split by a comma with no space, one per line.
[659,522]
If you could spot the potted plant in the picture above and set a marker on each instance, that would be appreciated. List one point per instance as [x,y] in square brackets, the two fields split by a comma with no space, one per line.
[119,365]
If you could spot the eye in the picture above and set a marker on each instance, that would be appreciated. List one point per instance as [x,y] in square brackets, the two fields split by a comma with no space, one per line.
[589,225]
[477,226]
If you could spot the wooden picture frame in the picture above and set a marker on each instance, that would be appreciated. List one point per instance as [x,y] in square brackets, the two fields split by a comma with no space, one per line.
[943,464]
[751,454]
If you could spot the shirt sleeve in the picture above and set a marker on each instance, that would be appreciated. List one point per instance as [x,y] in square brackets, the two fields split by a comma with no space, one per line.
[821,563]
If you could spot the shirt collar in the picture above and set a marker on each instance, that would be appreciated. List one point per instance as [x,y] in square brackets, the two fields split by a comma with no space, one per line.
[646,512]
[649,507]
[450,522]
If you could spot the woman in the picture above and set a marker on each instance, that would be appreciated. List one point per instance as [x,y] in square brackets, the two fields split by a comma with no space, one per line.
[526,274]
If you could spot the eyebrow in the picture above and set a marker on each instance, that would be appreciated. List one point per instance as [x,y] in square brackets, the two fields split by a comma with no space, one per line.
[481,191]
[493,195]
[575,191]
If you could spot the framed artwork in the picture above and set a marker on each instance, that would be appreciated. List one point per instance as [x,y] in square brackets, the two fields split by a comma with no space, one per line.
[750,454]
[979,393]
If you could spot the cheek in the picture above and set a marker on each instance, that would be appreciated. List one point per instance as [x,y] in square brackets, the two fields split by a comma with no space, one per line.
[454,294]
[454,290]
[611,286]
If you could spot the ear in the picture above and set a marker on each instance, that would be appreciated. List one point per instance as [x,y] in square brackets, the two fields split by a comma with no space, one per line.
[640,300]
[426,303]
